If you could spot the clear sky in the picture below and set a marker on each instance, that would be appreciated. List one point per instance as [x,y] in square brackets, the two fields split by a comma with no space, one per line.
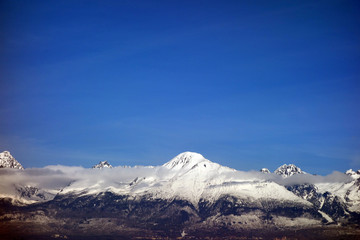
[248,84]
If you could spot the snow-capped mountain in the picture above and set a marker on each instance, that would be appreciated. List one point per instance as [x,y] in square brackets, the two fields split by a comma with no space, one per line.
[288,170]
[265,170]
[8,161]
[102,164]
[193,178]
[186,161]
[353,174]
[188,194]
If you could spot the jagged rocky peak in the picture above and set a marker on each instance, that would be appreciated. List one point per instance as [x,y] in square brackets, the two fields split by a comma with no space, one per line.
[288,170]
[353,174]
[102,164]
[8,161]
[265,170]
[350,172]
[185,160]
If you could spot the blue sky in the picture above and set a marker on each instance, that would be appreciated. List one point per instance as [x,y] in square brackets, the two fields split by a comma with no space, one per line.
[248,84]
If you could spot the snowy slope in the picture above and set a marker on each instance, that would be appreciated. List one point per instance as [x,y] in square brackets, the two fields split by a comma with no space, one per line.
[348,192]
[197,178]
[188,176]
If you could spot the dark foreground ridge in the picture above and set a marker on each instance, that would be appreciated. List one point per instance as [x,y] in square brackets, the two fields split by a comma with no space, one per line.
[110,216]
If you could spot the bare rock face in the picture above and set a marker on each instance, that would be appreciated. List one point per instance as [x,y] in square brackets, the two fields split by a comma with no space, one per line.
[8,161]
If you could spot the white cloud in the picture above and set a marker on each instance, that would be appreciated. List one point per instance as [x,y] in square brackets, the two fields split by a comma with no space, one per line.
[57,177]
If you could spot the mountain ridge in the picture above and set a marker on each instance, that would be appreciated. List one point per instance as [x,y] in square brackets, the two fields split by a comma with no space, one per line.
[288,170]
[188,193]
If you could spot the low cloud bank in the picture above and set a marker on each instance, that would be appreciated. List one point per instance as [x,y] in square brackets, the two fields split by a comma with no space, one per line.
[335,177]
[52,178]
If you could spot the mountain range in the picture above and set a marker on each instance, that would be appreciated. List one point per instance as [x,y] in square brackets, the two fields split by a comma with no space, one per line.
[188,197]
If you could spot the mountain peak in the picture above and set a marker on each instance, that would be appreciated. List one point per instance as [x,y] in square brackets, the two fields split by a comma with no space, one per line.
[8,161]
[185,160]
[265,170]
[353,174]
[288,170]
[102,164]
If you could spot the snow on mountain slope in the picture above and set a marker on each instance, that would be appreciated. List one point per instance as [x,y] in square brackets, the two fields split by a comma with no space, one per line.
[199,178]
[352,196]
[188,176]
[8,161]
[186,161]
[348,192]
[288,170]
